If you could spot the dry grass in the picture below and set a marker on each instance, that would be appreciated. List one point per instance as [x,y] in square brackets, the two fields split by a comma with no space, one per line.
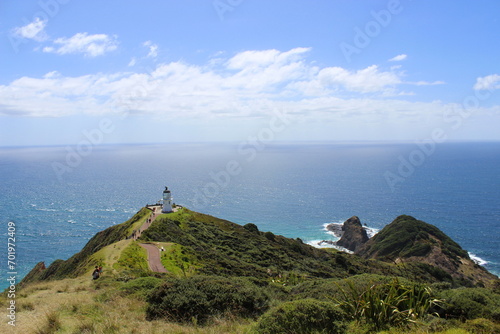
[76,306]
[421,331]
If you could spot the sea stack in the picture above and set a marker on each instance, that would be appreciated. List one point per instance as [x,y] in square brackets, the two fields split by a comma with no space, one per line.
[354,235]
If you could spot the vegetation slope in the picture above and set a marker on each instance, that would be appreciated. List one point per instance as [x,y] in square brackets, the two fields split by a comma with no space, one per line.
[408,240]
[227,278]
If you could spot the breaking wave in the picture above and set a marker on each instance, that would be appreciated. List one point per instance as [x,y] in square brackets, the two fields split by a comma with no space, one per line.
[477,259]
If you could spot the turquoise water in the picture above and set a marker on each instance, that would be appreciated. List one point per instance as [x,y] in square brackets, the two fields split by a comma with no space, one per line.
[290,189]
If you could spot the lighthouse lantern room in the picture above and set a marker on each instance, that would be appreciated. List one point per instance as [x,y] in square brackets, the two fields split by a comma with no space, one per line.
[167,201]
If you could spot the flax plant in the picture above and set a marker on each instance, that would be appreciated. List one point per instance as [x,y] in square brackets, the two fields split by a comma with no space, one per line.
[388,304]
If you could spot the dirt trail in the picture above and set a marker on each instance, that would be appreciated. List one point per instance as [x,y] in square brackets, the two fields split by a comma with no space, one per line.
[154,258]
[155,212]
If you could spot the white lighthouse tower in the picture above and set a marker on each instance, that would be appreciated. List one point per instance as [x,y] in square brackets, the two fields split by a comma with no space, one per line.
[167,201]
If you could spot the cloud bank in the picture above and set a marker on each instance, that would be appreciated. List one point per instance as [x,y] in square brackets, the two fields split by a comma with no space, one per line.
[244,85]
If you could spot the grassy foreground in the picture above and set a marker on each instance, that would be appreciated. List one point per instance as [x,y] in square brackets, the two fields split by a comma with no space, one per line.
[81,305]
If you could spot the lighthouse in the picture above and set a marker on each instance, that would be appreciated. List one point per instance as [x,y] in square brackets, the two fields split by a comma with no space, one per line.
[167,201]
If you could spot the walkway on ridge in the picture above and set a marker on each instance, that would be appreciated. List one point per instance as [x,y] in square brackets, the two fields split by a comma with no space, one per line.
[154,260]
[155,212]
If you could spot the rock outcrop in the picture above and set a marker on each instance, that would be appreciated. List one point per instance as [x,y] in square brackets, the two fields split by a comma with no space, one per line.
[354,235]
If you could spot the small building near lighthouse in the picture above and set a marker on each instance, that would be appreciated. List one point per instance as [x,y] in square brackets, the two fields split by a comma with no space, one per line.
[167,201]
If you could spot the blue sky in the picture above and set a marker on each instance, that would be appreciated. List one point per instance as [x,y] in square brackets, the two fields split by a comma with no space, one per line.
[227,70]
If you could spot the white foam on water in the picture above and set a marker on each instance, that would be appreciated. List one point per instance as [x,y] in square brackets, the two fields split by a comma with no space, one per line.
[335,236]
[371,231]
[342,249]
[477,259]
[322,244]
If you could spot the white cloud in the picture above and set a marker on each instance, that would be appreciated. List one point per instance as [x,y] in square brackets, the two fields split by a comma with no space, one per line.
[250,60]
[241,86]
[366,80]
[132,62]
[428,83]
[89,45]
[153,49]
[488,82]
[34,30]
[399,57]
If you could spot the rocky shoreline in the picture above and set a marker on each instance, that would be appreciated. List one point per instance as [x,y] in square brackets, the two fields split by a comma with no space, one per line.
[351,233]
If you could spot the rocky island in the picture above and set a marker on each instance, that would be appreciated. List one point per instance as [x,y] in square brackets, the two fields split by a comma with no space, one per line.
[352,234]
[223,277]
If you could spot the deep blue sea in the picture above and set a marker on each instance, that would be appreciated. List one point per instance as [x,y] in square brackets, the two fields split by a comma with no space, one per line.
[58,203]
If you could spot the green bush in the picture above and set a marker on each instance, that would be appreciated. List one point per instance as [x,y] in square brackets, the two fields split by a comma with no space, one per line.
[301,317]
[331,289]
[141,286]
[469,303]
[251,227]
[198,298]
[269,236]
[481,326]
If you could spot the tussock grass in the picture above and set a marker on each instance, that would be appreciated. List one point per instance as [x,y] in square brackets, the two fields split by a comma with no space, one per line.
[81,308]
[101,306]
[51,324]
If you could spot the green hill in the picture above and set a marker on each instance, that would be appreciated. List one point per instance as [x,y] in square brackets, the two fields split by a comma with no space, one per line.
[407,236]
[408,240]
[224,277]
[82,262]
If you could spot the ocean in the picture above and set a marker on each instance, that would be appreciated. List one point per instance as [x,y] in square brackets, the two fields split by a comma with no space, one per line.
[57,198]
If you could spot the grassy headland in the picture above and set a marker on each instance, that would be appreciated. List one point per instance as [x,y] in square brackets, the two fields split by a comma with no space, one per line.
[226,278]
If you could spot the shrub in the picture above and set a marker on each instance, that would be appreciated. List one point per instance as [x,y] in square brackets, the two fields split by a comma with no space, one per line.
[330,289]
[141,286]
[251,227]
[481,326]
[469,303]
[269,236]
[199,298]
[301,317]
